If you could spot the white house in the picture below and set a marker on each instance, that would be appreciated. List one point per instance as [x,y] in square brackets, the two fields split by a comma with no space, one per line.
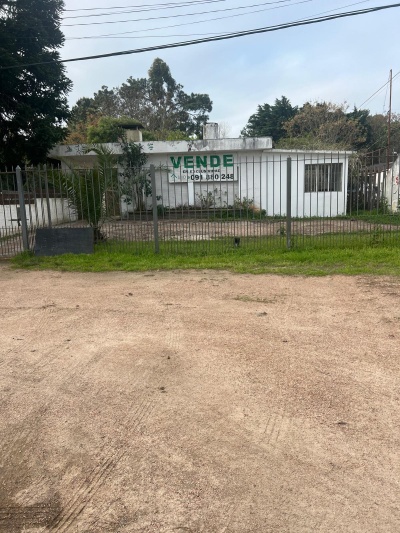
[229,172]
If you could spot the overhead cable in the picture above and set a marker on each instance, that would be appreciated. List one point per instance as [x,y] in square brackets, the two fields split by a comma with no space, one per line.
[155,6]
[177,16]
[135,9]
[378,90]
[206,20]
[213,39]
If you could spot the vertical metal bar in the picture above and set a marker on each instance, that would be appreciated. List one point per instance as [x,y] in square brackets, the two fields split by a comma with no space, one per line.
[289,203]
[24,224]
[155,214]
[46,186]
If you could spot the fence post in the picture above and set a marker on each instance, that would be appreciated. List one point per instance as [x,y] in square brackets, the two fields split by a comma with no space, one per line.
[155,212]
[24,224]
[289,203]
[46,186]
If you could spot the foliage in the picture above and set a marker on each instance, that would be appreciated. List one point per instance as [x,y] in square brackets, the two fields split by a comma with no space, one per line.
[158,102]
[110,130]
[135,183]
[207,199]
[247,209]
[243,203]
[269,120]
[328,125]
[323,126]
[166,135]
[79,133]
[33,100]
[378,132]
[85,189]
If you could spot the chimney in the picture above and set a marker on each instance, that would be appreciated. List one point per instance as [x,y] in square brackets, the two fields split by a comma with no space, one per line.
[132,130]
[211,131]
[134,136]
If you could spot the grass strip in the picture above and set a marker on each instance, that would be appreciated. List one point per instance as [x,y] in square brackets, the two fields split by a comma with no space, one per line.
[324,258]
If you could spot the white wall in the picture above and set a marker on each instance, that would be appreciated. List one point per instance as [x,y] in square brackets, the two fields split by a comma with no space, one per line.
[36,213]
[264,178]
[392,191]
[260,175]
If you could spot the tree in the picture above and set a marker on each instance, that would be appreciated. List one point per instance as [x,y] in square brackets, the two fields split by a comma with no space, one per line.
[33,100]
[378,127]
[158,102]
[324,125]
[268,121]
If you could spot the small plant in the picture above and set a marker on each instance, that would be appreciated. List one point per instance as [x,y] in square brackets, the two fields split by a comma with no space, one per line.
[244,203]
[162,209]
[135,184]
[247,209]
[281,231]
[207,200]
[377,236]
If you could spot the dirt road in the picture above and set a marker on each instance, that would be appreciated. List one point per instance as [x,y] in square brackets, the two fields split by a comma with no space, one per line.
[199,402]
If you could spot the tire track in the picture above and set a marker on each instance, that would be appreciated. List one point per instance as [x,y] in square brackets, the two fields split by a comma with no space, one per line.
[96,478]
[35,414]
[275,429]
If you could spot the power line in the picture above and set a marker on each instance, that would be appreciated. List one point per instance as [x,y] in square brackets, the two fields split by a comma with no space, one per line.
[199,22]
[141,10]
[384,102]
[384,85]
[213,39]
[194,2]
[206,20]
[177,16]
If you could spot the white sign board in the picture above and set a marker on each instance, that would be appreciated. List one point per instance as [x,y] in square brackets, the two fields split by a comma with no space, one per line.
[192,168]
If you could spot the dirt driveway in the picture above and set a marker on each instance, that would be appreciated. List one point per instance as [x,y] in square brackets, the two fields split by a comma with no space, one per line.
[199,402]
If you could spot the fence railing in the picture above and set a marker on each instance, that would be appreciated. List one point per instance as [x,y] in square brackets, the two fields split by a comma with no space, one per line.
[266,201]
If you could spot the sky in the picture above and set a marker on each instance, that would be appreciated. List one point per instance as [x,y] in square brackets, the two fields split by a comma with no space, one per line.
[343,60]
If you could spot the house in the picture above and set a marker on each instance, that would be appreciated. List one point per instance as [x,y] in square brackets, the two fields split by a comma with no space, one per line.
[219,173]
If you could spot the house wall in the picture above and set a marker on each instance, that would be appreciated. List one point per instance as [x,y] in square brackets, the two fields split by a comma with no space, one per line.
[392,187]
[259,175]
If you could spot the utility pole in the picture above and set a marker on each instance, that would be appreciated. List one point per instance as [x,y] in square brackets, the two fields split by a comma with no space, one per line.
[390,119]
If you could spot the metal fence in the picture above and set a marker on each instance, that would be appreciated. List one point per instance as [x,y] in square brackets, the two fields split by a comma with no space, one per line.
[273,200]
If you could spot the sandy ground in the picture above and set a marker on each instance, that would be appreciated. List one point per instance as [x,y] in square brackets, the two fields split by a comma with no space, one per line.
[199,402]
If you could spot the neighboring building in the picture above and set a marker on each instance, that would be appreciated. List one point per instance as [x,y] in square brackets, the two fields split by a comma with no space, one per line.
[391,186]
[236,170]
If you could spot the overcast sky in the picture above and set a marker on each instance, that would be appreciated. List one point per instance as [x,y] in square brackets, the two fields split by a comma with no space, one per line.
[342,60]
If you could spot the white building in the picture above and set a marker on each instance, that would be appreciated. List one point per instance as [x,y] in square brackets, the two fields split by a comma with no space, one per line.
[392,186]
[229,172]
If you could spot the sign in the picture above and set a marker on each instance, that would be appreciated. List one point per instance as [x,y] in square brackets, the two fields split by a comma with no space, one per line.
[191,168]
[59,241]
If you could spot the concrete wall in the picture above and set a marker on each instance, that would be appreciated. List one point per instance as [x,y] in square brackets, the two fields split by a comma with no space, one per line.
[36,213]
[392,187]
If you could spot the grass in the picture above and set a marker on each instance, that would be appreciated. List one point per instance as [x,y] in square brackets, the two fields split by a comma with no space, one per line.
[344,254]
[391,219]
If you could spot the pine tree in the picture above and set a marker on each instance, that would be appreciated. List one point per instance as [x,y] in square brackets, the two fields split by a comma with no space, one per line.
[33,100]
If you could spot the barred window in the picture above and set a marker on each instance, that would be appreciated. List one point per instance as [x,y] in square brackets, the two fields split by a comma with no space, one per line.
[323,177]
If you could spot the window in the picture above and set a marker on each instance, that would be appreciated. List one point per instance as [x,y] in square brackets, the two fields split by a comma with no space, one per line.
[323,177]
